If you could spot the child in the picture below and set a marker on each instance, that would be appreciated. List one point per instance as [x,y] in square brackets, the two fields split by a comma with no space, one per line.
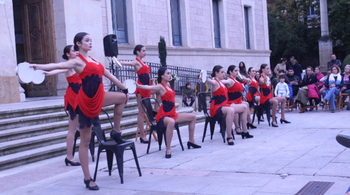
[282,89]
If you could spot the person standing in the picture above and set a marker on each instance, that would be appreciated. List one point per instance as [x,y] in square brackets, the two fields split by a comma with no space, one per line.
[74,84]
[143,73]
[91,97]
[281,66]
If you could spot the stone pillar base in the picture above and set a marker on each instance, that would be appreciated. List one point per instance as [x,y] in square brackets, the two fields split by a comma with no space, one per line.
[325,51]
[9,90]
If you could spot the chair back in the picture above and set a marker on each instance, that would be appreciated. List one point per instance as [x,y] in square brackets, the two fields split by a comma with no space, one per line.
[148,109]
[202,101]
[96,127]
[252,90]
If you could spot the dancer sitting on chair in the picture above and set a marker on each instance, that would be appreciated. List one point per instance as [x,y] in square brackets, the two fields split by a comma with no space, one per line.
[167,116]
[219,106]
[235,95]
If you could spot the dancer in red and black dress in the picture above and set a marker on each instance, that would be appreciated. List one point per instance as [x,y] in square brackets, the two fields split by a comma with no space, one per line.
[235,95]
[143,73]
[266,95]
[74,83]
[167,116]
[219,106]
[91,97]
[254,84]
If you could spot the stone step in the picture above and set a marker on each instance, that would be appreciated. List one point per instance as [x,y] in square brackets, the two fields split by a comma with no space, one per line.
[30,155]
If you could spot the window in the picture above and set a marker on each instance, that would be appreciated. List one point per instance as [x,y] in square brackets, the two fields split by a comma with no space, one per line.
[216,24]
[247,30]
[175,22]
[311,13]
[119,20]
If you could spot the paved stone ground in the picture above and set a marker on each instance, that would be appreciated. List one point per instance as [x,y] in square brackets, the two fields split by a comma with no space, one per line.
[277,161]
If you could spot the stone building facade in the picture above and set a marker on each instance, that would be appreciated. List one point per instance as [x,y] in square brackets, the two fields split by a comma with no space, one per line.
[198,33]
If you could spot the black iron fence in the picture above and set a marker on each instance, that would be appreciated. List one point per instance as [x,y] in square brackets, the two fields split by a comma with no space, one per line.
[184,74]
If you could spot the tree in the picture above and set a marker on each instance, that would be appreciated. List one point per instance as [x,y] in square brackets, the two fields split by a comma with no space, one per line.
[339,22]
[292,32]
[162,51]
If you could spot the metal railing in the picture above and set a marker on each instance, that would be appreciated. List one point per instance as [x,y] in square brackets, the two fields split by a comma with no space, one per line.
[184,74]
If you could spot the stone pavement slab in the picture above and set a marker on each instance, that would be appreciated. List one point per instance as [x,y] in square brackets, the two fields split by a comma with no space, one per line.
[277,161]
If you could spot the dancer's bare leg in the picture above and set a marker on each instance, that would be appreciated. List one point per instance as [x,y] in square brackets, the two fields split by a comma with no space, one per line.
[283,105]
[191,118]
[72,128]
[229,113]
[85,136]
[241,108]
[274,104]
[169,124]
[118,99]
[140,118]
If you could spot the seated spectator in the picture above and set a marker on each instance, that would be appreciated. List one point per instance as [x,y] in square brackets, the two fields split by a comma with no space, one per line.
[188,95]
[302,95]
[346,80]
[294,83]
[319,76]
[333,85]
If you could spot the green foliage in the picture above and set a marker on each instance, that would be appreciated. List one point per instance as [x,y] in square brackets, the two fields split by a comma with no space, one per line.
[346,61]
[339,22]
[162,51]
[291,32]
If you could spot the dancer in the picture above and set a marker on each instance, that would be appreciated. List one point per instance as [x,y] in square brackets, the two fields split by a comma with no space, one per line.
[74,83]
[91,97]
[235,95]
[143,73]
[167,116]
[266,95]
[219,106]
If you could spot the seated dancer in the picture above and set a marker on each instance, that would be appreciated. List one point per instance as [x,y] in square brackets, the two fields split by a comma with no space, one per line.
[167,116]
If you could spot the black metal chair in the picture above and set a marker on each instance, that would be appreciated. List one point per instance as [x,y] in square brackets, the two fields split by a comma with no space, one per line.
[202,100]
[111,147]
[259,108]
[148,108]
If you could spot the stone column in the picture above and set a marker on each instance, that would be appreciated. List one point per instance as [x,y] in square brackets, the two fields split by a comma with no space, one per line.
[325,42]
[9,85]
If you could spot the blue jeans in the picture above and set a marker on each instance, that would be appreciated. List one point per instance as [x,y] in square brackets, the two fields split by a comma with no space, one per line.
[330,95]
[185,101]
[291,95]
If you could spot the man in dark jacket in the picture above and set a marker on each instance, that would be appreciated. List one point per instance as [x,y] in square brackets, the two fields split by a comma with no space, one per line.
[333,61]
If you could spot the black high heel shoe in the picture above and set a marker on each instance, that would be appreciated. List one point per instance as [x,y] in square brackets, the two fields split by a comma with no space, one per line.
[117,137]
[190,144]
[71,162]
[274,124]
[246,135]
[249,125]
[230,143]
[143,141]
[87,183]
[167,155]
[238,132]
[284,121]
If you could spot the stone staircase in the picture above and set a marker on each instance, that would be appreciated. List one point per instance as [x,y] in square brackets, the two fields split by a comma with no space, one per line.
[36,130]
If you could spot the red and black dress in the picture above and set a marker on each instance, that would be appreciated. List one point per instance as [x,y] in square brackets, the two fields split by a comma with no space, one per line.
[235,92]
[219,99]
[252,91]
[90,98]
[143,79]
[74,84]
[167,108]
[266,90]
